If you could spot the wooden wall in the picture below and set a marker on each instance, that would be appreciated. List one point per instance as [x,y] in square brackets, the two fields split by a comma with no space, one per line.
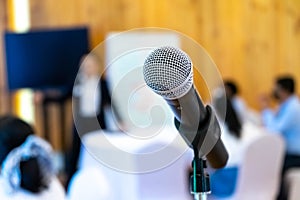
[251,41]
[4,106]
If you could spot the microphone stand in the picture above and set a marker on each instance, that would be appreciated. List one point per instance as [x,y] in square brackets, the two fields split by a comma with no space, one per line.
[199,179]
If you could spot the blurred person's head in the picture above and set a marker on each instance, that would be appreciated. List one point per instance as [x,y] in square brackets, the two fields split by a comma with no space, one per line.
[90,65]
[283,88]
[25,159]
[232,121]
[230,88]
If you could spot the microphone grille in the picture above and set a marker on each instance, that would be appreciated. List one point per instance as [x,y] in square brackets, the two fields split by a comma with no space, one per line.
[168,72]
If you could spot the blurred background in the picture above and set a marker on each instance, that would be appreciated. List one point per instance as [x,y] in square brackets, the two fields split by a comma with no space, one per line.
[251,42]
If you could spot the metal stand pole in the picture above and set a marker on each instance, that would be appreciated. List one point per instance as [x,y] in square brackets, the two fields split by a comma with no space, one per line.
[199,180]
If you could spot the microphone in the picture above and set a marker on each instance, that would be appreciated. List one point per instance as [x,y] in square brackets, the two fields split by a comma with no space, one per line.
[168,71]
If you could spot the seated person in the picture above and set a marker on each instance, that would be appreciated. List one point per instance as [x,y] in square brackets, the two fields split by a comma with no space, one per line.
[244,113]
[284,121]
[236,136]
[238,103]
[231,137]
[27,170]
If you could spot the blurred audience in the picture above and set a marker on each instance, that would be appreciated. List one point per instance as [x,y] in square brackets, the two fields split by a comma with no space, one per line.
[285,120]
[27,170]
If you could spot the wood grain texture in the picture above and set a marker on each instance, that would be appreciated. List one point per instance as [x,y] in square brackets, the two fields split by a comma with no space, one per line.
[251,41]
[4,105]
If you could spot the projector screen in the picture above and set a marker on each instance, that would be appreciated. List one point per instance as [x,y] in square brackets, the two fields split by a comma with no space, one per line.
[137,104]
[45,58]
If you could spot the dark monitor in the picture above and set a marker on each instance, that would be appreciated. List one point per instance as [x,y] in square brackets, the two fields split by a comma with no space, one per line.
[44,59]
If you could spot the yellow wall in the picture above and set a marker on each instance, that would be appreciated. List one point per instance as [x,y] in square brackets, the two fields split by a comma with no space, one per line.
[251,41]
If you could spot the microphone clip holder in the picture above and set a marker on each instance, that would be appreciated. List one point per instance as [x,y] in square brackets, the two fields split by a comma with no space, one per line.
[199,179]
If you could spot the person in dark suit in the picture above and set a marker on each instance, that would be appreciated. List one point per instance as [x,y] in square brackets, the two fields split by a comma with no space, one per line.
[91,99]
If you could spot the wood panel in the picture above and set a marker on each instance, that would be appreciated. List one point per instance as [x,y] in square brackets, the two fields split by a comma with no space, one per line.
[251,41]
[4,106]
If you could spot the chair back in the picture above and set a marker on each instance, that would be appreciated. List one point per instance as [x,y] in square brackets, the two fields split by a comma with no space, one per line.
[260,173]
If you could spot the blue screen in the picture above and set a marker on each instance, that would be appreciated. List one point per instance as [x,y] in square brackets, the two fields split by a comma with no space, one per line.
[45,58]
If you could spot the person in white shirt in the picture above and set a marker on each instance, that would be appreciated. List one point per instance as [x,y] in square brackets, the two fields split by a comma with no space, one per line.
[231,137]
[27,169]
[237,102]
[236,136]
[245,114]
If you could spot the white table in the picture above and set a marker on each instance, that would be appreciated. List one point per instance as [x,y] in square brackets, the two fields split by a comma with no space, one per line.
[140,168]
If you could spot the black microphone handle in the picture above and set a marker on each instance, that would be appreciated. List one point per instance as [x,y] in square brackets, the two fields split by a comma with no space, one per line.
[199,127]
[218,156]
[189,109]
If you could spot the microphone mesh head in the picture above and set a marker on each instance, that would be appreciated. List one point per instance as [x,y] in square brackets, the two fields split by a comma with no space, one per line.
[168,72]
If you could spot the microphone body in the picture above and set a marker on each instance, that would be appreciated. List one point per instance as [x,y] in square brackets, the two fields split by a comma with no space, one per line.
[199,134]
[196,123]
[188,108]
